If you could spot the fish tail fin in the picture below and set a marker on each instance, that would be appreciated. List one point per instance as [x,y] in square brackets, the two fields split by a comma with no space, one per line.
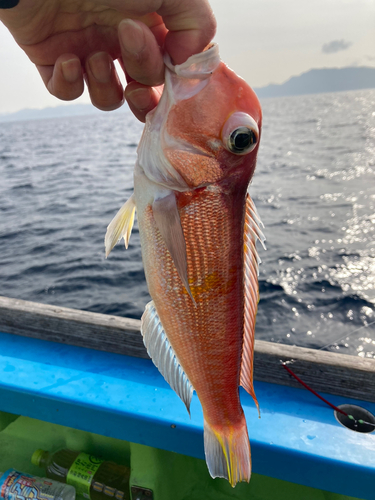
[228,452]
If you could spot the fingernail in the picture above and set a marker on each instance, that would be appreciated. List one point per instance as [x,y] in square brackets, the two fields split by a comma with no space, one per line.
[100,66]
[140,98]
[71,70]
[131,36]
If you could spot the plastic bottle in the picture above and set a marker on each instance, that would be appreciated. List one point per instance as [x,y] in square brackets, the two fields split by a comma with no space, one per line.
[93,478]
[15,485]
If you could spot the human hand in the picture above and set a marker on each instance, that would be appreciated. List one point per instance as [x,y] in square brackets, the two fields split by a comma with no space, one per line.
[70,41]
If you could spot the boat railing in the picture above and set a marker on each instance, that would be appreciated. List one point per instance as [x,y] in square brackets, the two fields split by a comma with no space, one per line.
[328,372]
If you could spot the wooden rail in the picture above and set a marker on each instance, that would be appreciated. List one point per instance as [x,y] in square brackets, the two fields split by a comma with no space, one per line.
[339,374]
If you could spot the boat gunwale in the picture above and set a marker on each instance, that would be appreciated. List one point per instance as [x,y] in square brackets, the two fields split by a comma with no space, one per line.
[333,373]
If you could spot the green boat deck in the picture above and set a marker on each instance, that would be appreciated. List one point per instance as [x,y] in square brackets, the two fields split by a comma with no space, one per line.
[169,475]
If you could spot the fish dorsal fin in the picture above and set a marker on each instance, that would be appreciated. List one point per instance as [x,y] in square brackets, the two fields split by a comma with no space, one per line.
[163,355]
[168,221]
[121,226]
[252,232]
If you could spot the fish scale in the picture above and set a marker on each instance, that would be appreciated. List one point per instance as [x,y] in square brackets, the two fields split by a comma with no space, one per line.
[198,229]
[215,323]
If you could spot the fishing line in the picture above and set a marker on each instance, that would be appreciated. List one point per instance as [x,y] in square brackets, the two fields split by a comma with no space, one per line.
[345,336]
[356,422]
[312,390]
[339,410]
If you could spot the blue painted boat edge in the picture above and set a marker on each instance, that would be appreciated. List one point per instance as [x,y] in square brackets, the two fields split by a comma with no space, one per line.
[297,439]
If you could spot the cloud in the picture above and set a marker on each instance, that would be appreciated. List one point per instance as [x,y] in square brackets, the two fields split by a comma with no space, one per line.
[335,46]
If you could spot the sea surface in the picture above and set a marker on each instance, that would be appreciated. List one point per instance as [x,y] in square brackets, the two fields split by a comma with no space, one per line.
[62,181]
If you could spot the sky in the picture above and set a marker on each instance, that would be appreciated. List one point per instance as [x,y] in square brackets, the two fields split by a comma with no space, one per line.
[265,42]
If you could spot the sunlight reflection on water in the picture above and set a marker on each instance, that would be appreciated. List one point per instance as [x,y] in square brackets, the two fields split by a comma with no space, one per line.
[63,181]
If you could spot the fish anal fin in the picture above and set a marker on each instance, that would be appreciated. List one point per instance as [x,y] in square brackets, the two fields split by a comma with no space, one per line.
[251,269]
[163,355]
[121,226]
[227,452]
[168,221]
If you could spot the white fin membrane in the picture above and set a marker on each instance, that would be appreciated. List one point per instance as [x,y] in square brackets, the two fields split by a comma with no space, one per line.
[252,233]
[163,355]
[215,458]
[228,454]
[121,226]
[255,222]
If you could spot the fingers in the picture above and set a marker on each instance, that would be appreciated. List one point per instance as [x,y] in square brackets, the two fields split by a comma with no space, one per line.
[104,86]
[141,54]
[64,80]
[191,25]
[142,99]
[184,28]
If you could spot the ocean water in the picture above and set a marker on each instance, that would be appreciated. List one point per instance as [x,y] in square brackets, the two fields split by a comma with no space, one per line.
[62,181]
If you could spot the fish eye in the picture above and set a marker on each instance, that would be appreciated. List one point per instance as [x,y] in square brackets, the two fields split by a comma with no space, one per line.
[242,139]
[240,134]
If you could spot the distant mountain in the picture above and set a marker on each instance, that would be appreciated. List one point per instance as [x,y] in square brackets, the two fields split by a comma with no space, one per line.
[317,81]
[314,81]
[56,112]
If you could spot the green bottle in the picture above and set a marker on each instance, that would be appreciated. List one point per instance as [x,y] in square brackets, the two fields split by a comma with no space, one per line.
[93,478]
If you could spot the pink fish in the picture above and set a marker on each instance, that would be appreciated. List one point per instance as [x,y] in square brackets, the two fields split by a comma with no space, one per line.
[198,228]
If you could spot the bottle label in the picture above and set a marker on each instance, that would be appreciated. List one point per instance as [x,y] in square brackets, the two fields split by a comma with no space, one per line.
[16,485]
[81,473]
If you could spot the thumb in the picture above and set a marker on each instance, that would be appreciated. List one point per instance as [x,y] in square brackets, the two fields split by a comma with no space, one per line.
[191,26]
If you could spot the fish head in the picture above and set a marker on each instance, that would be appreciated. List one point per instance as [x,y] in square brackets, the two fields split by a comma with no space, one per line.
[206,127]
[213,127]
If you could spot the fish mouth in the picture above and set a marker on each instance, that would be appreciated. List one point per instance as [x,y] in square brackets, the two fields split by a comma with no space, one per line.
[198,66]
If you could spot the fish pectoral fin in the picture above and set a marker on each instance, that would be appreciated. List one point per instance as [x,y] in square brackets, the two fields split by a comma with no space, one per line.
[252,233]
[168,221]
[121,226]
[163,355]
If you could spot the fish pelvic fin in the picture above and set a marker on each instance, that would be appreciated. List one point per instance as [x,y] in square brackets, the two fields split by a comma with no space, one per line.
[227,452]
[168,221]
[252,233]
[121,226]
[163,356]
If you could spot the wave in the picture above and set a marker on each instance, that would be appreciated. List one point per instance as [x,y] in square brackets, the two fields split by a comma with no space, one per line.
[63,181]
